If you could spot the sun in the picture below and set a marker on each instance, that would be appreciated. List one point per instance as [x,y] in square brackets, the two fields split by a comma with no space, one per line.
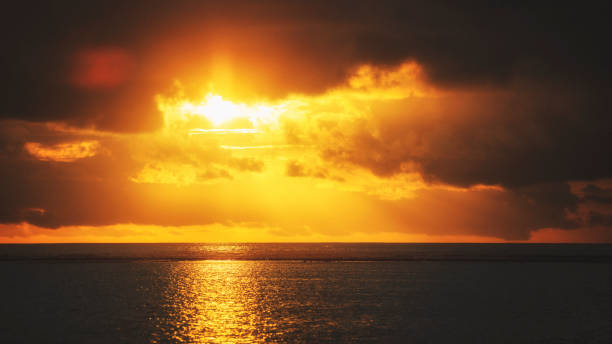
[218,112]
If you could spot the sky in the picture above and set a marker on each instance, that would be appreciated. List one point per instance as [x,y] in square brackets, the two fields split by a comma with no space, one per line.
[294,121]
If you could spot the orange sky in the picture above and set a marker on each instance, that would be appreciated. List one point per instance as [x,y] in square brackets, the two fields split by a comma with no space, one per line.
[220,169]
[273,124]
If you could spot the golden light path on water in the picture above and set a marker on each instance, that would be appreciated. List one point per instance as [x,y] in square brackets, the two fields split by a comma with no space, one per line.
[214,302]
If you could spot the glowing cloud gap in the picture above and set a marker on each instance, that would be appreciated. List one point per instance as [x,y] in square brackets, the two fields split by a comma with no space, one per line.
[218,111]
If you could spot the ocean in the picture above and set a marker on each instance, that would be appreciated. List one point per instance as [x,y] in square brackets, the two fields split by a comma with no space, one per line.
[306,293]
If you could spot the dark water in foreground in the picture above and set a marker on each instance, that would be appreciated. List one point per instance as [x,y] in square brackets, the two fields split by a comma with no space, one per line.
[306,293]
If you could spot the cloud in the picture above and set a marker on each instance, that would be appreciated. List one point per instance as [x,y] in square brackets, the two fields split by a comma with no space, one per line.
[272,49]
[597,194]
[506,137]
[297,169]
[63,152]
[507,214]
[247,164]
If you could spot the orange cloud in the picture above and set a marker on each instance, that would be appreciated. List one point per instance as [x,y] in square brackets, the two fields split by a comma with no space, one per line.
[63,152]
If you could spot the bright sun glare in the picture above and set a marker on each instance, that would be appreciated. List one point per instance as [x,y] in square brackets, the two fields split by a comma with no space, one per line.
[220,111]
[212,113]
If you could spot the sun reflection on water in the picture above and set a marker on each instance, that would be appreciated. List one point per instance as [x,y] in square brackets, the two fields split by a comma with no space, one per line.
[212,302]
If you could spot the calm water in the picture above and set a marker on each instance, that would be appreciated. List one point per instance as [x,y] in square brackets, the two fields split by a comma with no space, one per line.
[306,293]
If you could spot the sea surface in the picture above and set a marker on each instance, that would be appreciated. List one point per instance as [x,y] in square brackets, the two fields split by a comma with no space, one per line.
[305,293]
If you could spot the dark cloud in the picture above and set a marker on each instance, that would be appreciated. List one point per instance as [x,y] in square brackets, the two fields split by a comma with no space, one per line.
[289,46]
[597,194]
[599,219]
[510,215]
[511,138]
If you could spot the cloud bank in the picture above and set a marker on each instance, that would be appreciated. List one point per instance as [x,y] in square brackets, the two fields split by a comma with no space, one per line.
[422,117]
